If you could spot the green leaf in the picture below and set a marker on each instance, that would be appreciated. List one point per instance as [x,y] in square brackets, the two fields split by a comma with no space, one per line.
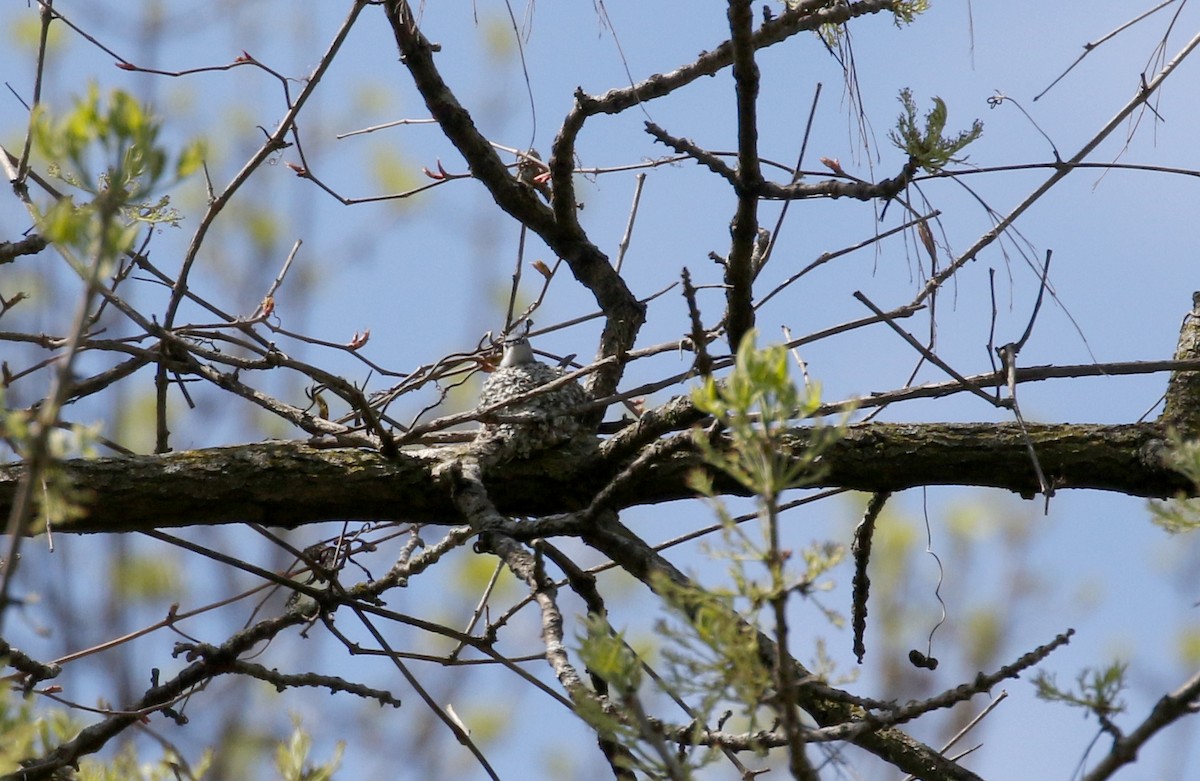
[927,144]
[1098,689]
[906,11]
[191,159]
[292,762]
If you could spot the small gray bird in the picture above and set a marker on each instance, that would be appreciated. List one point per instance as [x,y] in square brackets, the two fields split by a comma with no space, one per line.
[545,421]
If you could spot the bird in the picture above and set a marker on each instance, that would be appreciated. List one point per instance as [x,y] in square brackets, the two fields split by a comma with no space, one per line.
[532,172]
[535,424]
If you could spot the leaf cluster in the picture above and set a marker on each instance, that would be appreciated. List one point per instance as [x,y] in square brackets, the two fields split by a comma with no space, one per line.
[907,11]
[754,406]
[1181,515]
[712,660]
[903,12]
[26,731]
[1098,690]
[711,647]
[110,152]
[292,758]
[59,500]
[715,655]
[924,142]
[26,734]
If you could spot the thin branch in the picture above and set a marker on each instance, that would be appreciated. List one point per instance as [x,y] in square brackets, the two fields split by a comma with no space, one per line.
[38,456]
[641,561]
[47,14]
[925,352]
[1059,174]
[802,17]
[1184,701]
[974,382]
[274,142]
[202,668]
[812,114]
[623,245]
[333,683]
[452,723]
[702,366]
[825,257]
[708,159]
[1090,46]
[33,671]
[1001,697]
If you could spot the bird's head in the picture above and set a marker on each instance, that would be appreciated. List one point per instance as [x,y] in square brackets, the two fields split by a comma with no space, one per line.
[517,351]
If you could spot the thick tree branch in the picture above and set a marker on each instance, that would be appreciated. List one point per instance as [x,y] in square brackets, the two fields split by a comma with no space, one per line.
[739,274]
[30,245]
[1182,410]
[289,484]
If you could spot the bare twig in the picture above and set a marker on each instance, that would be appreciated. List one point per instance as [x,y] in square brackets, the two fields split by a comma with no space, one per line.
[274,142]
[925,352]
[1060,172]
[623,245]
[559,227]
[1090,46]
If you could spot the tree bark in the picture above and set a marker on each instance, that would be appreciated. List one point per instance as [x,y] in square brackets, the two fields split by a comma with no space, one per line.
[289,484]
